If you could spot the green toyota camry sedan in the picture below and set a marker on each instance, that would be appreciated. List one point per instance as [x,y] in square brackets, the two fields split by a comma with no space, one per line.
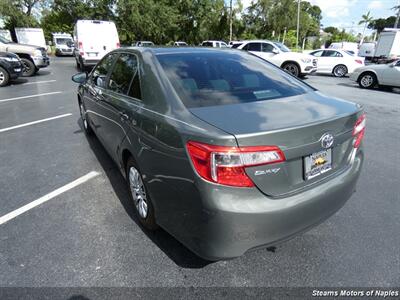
[220,148]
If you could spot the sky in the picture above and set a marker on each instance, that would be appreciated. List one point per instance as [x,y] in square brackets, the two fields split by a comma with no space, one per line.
[347,13]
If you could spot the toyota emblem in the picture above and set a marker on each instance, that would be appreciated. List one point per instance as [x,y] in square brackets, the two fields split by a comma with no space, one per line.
[327,140]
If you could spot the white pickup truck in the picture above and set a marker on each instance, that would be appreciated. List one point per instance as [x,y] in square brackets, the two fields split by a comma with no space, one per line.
[297,64]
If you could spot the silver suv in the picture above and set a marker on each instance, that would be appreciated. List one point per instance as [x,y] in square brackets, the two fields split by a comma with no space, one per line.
[33,58]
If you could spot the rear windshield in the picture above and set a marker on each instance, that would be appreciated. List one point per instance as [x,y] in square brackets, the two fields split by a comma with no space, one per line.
[226,77]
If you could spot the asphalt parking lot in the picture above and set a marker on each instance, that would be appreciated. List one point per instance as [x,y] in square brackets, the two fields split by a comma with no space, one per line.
[86,234]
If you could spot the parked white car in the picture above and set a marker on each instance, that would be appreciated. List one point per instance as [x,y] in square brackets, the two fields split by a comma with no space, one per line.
[337,62]
[382,75]
[297,64]
[180,44]
[214,44]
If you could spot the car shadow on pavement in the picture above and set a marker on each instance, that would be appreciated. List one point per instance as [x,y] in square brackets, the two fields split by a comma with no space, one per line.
[176,251]
[383,89]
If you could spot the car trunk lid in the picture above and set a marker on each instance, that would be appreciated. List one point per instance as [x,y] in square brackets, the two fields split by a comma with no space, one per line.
[296,125]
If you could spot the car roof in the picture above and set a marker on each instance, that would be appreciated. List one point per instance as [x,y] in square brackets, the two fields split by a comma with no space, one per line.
[256,41]
[171,50]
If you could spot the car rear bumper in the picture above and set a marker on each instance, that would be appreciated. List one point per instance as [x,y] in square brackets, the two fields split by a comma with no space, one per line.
[236,220]
[90,62]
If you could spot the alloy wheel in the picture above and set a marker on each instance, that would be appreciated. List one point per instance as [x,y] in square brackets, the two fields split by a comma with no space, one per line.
[292,69]
[138,192]
[367,80]
[340,71]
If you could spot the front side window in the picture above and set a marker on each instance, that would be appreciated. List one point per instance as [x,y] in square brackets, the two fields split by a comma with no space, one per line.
[124,78]
[253,47]
[267,48]
[99,74]
[330,53]
[317,53]
[209,79]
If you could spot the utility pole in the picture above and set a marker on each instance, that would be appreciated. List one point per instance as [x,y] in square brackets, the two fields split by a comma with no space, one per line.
[230,21]
[298,24]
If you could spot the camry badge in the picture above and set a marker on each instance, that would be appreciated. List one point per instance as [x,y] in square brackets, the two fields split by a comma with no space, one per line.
[326,140]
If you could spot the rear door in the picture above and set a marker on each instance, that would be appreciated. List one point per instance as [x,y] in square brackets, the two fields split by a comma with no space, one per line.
[121,100]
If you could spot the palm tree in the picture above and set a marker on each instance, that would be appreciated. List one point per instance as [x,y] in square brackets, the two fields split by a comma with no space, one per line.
[366,19]
[397,7]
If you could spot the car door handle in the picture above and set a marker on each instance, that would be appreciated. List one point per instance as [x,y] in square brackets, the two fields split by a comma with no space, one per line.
[124,116]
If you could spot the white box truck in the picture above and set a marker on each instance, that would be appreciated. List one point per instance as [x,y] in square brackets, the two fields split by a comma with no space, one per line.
[388,46]
[31,36]
[93,39]
[63,43]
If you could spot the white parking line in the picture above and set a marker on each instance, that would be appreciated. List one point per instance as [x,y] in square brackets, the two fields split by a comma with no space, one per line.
[34,122]
[35,82]
[29,96]
[47,197]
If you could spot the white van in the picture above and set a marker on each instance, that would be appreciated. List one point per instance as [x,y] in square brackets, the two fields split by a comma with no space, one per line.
[63,43]
[388,44]
[93,39]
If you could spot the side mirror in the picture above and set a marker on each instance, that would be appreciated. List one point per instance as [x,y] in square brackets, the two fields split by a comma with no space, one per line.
[275,51]
[80,77]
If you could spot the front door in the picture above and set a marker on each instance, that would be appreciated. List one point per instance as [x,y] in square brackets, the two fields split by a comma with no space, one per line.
[120,102]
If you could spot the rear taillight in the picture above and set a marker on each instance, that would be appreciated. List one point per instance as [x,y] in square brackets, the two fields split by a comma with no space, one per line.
[80,46]
[118,45]
[359,61]
[359,130]
[226,165]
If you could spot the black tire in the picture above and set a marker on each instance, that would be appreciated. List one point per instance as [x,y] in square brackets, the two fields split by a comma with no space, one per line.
[29,67]
[4,77]
[149,221]
[291,68]
[85,120]
[367,80]
[340,71]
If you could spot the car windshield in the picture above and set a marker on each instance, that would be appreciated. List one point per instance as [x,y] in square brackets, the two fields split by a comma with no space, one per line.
[282,47]
[4,40]
[63,41]
[226,77]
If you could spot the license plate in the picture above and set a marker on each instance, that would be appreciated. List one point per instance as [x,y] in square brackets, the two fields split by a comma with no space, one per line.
[317,163]
[92,54]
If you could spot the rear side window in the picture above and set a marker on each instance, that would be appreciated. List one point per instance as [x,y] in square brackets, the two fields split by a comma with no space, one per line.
[227,77]
[207,44]
[99,74]
[124,78]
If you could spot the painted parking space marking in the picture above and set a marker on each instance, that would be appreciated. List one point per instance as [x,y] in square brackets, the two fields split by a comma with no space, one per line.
[34,122]
[29,96]
[49,196]
[37,82]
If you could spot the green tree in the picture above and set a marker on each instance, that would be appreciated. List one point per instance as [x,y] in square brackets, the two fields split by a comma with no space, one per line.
[381,23]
